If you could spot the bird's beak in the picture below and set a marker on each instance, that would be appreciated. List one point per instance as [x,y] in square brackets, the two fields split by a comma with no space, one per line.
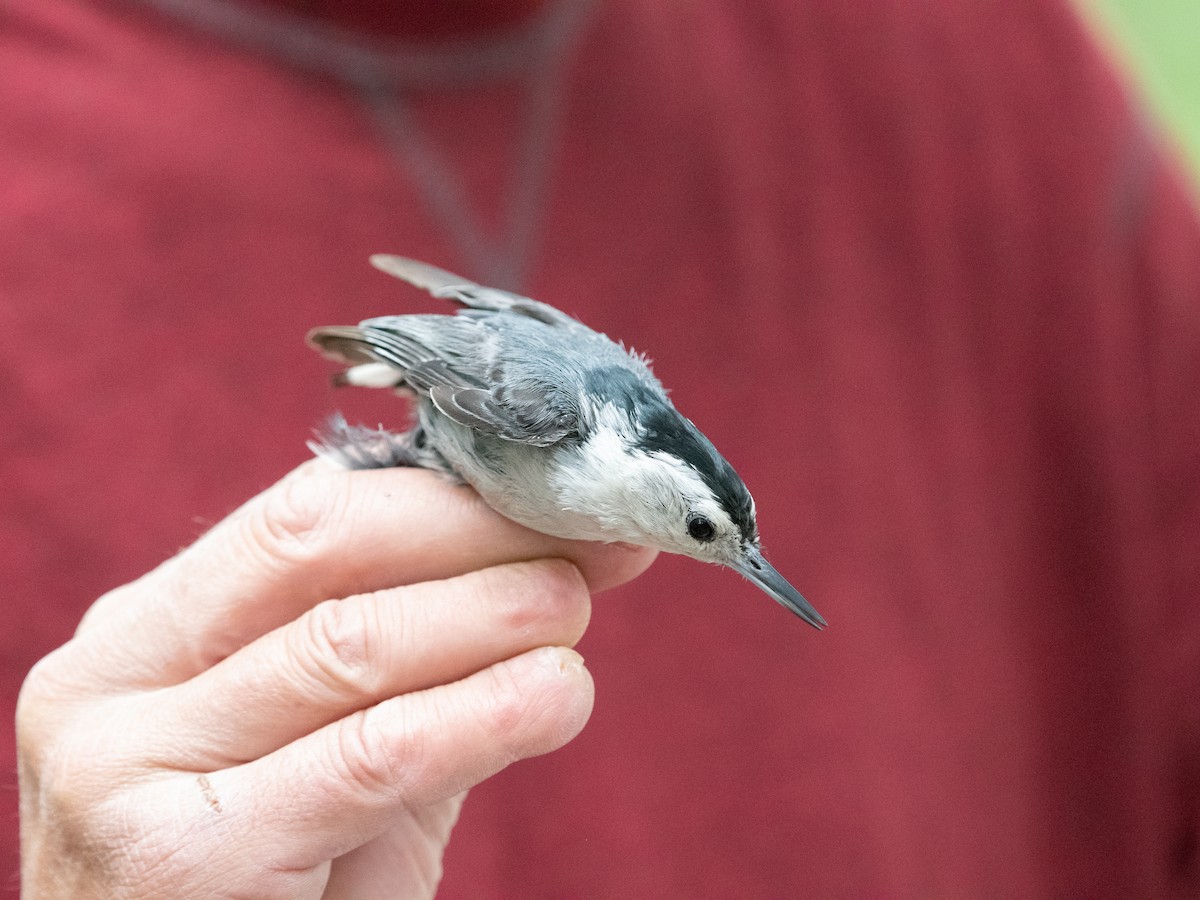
[754,567]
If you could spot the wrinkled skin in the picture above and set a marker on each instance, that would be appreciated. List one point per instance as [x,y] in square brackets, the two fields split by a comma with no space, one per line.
[295,705]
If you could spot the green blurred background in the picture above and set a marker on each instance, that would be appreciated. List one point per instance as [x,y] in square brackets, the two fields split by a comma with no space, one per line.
[1159,41]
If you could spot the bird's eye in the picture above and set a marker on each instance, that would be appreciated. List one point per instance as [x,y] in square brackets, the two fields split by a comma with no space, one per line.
[701,528]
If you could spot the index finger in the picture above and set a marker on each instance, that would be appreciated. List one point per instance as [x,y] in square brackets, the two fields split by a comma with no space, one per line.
[318,534]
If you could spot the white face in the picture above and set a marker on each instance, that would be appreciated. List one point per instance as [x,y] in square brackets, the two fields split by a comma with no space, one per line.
[684,515]
[652,499]
[610,489]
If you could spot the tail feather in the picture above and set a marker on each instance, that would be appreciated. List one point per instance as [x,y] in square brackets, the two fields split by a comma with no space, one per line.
[359,447]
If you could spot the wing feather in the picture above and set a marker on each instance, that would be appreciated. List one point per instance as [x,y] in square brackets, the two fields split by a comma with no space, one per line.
[458,361]
[448,286]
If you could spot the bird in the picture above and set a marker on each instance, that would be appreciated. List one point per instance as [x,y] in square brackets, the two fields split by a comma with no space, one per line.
[556,426]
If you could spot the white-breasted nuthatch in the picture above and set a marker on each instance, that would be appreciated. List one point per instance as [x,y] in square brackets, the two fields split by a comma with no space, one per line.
[556,426]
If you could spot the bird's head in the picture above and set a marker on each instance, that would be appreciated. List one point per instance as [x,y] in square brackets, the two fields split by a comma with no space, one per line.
[668,487]
[708,514]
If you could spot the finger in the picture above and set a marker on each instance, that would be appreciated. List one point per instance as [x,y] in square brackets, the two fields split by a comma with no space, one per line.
[346,655]
[404,861]
[320,533]
[336,789]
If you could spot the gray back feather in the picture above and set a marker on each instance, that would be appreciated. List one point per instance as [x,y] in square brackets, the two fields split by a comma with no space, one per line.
[506,365]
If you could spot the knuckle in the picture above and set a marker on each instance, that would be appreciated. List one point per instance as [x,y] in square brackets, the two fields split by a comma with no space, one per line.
[295,520]
[338,646]
[41,700]
[371,762]
[107,604]
[36,693]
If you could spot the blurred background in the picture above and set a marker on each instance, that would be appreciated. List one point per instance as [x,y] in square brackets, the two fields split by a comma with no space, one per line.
[952,208]
[1159,41]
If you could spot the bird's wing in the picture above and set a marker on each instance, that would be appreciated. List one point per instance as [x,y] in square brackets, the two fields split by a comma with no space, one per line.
[450,360]
[354,345]
[530,414]
[447,286]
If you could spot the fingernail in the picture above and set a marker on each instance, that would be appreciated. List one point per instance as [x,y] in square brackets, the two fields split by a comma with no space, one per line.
[560,660]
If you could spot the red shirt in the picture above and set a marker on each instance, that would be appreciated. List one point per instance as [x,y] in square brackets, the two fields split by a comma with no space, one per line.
[923,272]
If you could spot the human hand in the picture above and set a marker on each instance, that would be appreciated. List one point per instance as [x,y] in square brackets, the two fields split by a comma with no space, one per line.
[221,727]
